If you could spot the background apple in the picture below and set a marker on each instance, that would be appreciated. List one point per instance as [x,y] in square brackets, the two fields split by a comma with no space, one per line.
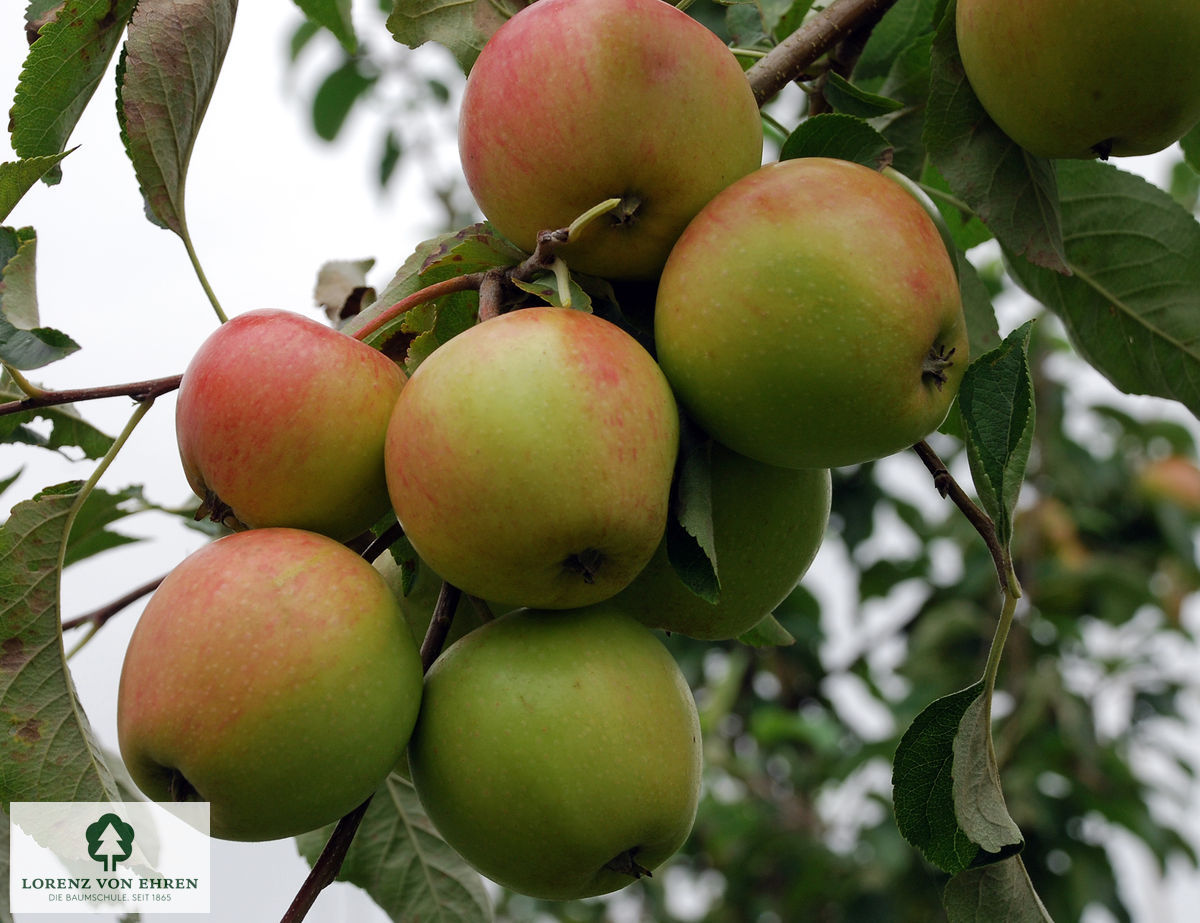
[552,745]
[573,102]
[809,316]
[768,523]
[1073,78]
[530,458]
[284,419]
[422,596]
[272,675]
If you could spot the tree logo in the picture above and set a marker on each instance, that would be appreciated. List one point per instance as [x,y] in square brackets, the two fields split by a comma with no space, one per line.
[110,840]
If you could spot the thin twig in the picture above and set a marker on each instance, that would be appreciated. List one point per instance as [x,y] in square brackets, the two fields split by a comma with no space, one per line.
[788,60]
[325,869]
[439,624]
[139,390]
[948,487]
[389,537]
[101,615]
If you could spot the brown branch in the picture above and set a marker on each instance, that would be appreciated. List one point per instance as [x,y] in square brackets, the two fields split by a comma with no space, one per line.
[788,60]
[948,487]
[389,537]
[439,624]
[325,869]
[138,390]
[99,616]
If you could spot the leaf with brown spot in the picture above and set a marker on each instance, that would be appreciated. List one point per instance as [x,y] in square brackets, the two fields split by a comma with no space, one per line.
[47,751]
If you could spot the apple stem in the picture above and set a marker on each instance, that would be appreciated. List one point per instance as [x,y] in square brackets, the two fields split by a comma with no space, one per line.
[466,282]
[97,617]
[562,278]
[581,224]
[386,539]
[325,869]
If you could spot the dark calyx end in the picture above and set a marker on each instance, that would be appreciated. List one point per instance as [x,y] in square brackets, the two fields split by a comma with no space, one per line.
[625,864]
[214,508]
[936,363]
[1103,149]
[586,563]
[180,789]
[626,214]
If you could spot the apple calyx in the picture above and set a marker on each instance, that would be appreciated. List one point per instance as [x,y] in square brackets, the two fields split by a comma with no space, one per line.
[936,363]
[217,510]
[180,789]
[586,563]
[1103,149]
[624,864]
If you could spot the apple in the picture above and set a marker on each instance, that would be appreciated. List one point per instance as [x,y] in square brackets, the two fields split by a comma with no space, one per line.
[1081,78]
[559,752]
[768,523]
[272,675]
[529,458]
[810,317]
[419,601]
[281,421]
[573,102]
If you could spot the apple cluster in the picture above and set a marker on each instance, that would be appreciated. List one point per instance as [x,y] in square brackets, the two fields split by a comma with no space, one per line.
[806,316]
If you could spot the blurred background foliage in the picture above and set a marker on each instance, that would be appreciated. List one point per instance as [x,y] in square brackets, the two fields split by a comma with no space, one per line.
[1098,692]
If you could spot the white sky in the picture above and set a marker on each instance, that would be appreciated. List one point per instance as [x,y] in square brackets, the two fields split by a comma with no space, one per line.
[267,205]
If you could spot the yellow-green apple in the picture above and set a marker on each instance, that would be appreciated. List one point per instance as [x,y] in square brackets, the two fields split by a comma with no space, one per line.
[281,421]
[768,523]
[419,600]
[573,102]
[559,752]
[530,458]
[272,675]
[809,316]
[1081,78]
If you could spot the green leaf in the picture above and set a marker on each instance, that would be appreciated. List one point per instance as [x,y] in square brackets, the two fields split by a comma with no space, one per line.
[61,73]
[1012,192]
[1190,143]
[90,533]
[68,428]
[979,804]
[415,334]
[336,96]
[462,26]
[846,97]
[767,633]
[845,137]
[168,69]
[691,545]
[403,864]
[1132,304]
[24,344]
[18,177]
[335,16]
[1001,891]
[983,332]
[904,22]
[923,786]
[995,400]
[5,870]
[47,751]
[545,287]
[965,227]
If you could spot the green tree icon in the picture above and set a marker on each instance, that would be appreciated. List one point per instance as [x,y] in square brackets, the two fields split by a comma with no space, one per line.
[110,840]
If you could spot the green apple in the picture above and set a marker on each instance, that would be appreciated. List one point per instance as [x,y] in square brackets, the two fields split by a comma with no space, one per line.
[530,458]
[418,601]
[810,317]
[573,102]
[1081,78]
[559,752]
[272,675]
[281,421]
[768,523]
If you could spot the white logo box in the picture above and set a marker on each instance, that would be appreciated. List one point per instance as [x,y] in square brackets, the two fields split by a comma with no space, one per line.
[109,857]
